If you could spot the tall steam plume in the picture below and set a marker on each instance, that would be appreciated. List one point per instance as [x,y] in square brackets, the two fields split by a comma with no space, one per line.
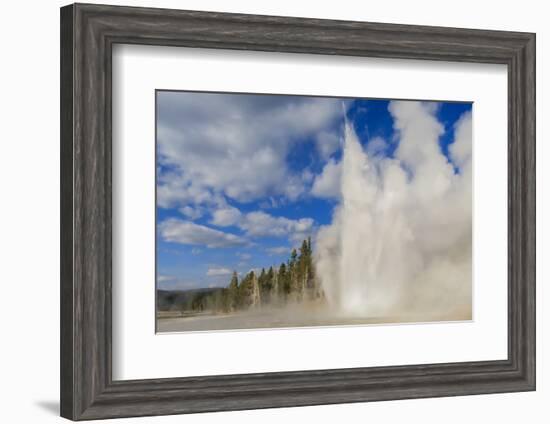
[400,241]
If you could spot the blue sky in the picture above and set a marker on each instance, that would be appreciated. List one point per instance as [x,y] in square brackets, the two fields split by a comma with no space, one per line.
[242,179]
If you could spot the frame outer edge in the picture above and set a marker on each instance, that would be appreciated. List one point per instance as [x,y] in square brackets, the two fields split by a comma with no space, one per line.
[67,375]
[529,186]
[87,391]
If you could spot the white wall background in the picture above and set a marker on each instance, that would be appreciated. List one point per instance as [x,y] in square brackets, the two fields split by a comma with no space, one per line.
[29,224]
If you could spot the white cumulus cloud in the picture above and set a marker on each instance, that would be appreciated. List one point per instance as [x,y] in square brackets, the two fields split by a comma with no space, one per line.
[327,183]
[244,256]
[259,224]
[191,212]
[461,149]
[327,143]
[226,216]
[186,232]
[236,146]
[279,250]
[216,272]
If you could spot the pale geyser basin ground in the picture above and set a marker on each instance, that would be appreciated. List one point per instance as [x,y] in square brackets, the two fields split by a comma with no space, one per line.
[312,315]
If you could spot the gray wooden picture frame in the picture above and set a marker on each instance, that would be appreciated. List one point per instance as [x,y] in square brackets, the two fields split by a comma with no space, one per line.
[88,33]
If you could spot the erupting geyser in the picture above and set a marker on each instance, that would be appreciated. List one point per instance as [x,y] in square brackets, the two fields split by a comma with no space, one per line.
[400,242]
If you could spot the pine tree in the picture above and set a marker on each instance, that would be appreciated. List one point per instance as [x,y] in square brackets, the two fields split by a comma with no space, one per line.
[293,271]
[273,278]
[311,275]
[283,282]
[264,282]
[249,291]
[303,269]
[255,300]
[270,278]
[233,293]
[293,257]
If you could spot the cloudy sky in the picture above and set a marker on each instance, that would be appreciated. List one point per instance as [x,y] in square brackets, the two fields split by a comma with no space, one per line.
[242,179]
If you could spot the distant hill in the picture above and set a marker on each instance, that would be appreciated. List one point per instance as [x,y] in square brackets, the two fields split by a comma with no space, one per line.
[175,299]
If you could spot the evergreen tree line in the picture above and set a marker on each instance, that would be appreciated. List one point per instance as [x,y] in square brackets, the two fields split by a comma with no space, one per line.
[293,281]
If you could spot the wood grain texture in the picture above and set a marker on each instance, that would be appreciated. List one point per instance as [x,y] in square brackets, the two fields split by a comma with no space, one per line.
[88,33]
[66,214]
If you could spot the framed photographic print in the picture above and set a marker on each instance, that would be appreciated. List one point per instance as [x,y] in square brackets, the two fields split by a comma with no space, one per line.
[268,211]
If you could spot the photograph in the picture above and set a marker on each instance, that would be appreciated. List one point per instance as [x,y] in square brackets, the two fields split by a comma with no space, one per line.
[280,211]
[263,208]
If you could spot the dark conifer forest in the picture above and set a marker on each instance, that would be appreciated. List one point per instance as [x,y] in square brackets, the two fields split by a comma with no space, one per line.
[292,281]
